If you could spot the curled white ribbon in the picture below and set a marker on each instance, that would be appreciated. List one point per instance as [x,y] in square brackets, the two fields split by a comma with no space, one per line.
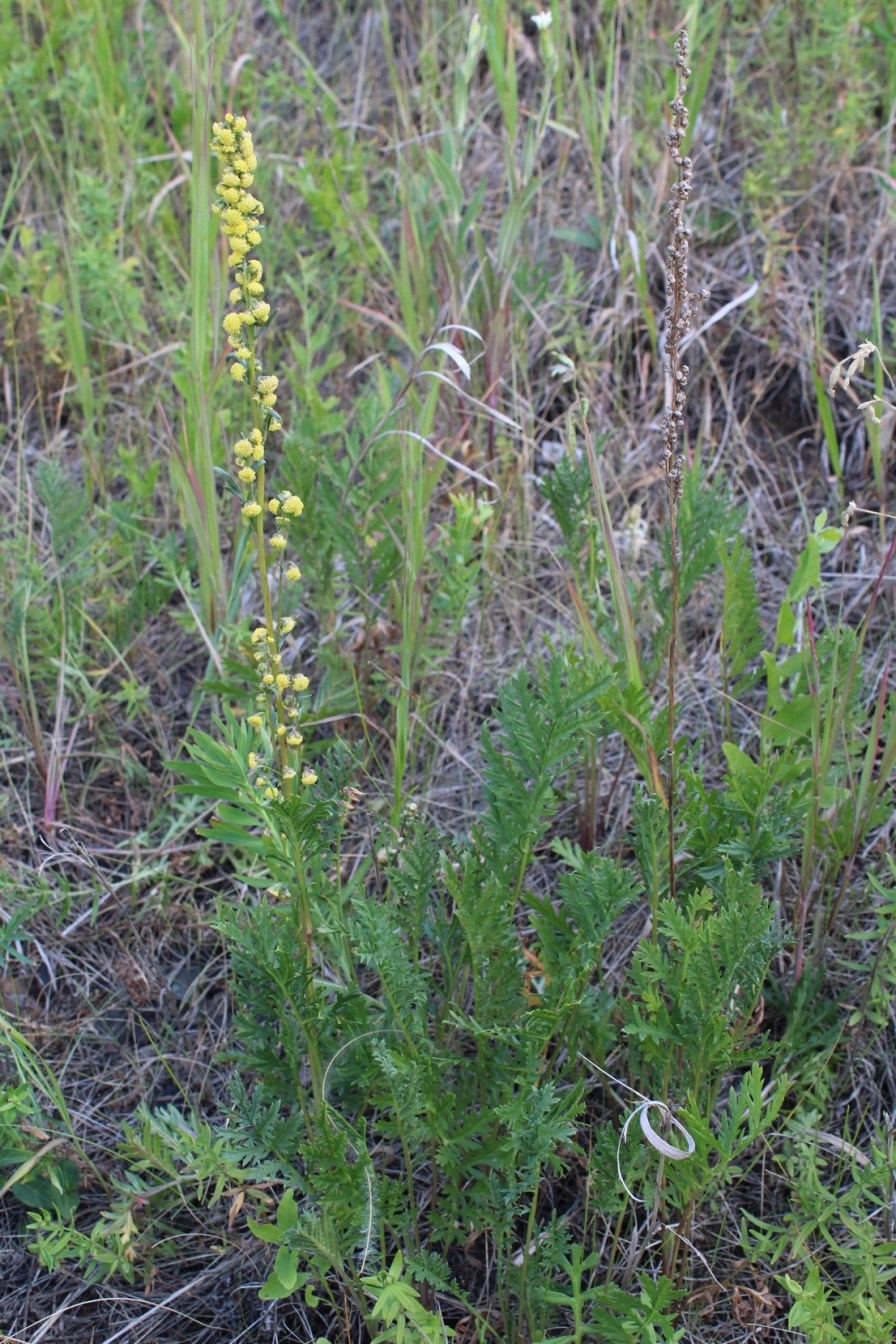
[655,1140]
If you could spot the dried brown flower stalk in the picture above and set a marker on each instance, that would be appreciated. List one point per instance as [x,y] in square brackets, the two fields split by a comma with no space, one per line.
[680,305]
[680,302]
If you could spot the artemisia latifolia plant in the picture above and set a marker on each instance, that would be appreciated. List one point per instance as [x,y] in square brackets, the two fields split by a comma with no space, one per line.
[277,765]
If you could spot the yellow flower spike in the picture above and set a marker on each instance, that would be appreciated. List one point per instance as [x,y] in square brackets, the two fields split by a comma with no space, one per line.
[241,214]
[253,760]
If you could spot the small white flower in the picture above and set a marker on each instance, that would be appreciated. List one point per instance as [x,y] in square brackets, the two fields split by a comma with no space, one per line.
[542,20]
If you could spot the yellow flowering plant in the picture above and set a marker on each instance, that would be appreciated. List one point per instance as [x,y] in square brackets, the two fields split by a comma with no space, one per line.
[279,707]
[267,809]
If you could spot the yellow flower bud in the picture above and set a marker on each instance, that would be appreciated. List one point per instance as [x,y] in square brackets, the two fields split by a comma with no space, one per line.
[246,474]
[308,778]
[254,720]
[251,510]
[300,682]
[278,542]
[293,574]
[233,221]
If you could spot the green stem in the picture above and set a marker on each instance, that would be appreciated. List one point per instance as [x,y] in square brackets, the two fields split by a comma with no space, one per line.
[306,941]
[524,1270]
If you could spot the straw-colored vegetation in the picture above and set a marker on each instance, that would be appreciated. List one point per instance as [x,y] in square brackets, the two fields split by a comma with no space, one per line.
[446,715]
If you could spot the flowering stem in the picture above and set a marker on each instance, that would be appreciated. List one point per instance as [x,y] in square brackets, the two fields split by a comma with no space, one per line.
[679,310]
[278,691]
